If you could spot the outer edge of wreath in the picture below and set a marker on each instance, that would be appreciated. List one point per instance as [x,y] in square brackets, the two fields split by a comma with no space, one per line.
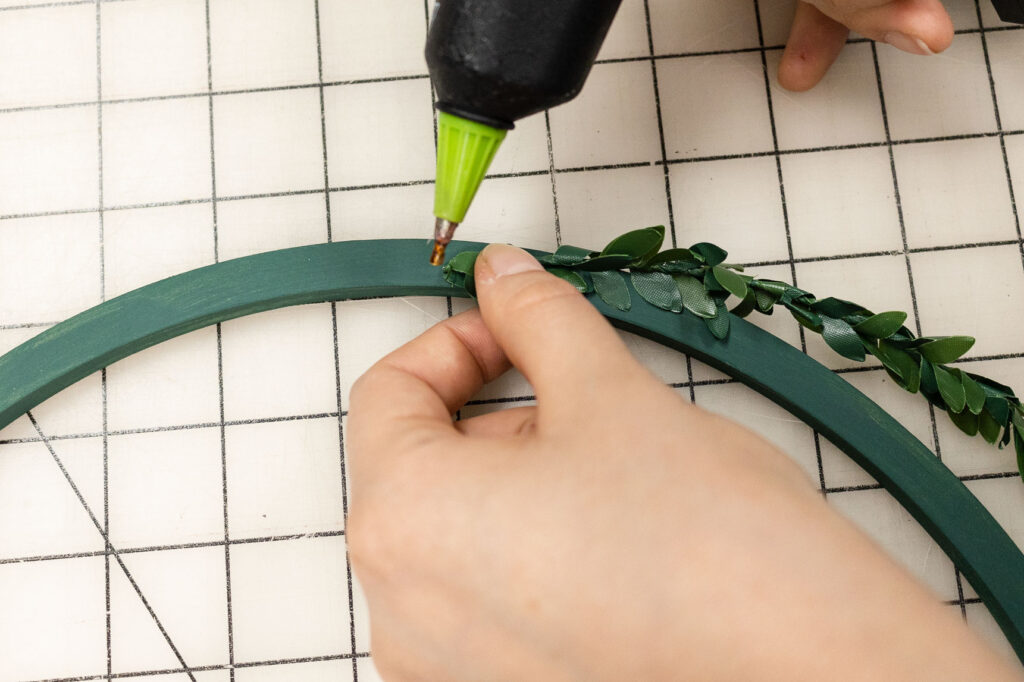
[111,331]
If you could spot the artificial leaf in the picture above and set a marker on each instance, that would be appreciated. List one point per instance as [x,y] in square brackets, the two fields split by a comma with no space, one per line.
[929,386]
[882,325]
[946,349]
[695,297]
[836,307]
[765,300]
[771,286]
[638,244]
[730,281]
[572,278]
[658,289]
[999,409]
[993,388]
[462,262]
[841,337]
[672,255]
[902,363]
[711,254]
[807,318]
[974,392]
[1018,444]
[566,255]
[965,421]
[611,287]
[746,306]
[719,324]
[988,427]
[610,262]
[950,388]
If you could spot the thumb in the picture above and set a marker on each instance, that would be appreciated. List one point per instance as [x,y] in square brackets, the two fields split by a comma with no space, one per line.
[916,26]
[566,350]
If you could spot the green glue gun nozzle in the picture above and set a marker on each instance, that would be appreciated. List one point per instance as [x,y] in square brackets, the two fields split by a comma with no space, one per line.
[465,150]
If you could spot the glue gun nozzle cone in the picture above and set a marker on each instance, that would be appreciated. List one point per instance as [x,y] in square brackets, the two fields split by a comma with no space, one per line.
[465,150]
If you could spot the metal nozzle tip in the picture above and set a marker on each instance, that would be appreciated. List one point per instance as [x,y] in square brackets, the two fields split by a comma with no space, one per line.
[444,230]
[437,255]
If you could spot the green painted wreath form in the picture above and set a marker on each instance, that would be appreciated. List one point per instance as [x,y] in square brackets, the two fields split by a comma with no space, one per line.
[699,281]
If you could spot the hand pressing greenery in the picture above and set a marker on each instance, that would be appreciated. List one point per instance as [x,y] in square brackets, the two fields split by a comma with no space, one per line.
[699,281]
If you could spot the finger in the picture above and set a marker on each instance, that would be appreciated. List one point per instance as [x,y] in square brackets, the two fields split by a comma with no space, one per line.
[561,344]
[410,394]
[917,26]
[815,41]
[516,421]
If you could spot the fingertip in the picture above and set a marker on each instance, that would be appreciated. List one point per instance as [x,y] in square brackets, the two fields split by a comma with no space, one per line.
[814,43]
[798,71]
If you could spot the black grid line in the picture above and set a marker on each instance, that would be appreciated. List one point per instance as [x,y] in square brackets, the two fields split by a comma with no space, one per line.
[209,668]
[103,372]
[220,352]
[109,549]
[910,277]
[785,209]
[262,539]
[342,472]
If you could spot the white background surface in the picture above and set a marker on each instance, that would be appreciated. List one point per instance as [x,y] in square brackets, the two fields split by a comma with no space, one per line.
[142,138]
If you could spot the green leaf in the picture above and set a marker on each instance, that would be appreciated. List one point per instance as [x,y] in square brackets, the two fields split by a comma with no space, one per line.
[612,262]
[999,409]
[988,427]
[611,287]
[902,363]
[1018,444]
[695,297]
[638,244]
[946,349]
[951,389]
[658,289]
[836,307]
[572,278]
[975,394]
[993,388]
[765,300]
[965,421]
[462,262]
[929,385]
[746,306]
[711,254]
[882,325]
[732,282]
[807,318]
[841,337]
[719,324]
[566,255]
[673,255]
[770,286]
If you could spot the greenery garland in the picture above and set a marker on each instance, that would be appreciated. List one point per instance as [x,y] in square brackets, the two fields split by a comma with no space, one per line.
[699,281]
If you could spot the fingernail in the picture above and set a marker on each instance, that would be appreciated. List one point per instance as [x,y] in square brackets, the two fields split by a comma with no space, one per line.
[502,259]
[901,41]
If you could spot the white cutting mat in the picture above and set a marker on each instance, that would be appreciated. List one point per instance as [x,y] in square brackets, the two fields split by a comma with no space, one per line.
[142,138]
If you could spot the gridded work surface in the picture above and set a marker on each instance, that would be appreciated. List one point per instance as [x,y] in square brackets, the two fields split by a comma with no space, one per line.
[181,514]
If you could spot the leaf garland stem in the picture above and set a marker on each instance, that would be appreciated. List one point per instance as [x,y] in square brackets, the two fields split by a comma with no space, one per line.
[699,281]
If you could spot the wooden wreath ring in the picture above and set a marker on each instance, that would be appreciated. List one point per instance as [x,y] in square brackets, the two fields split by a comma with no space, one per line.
[945,508]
